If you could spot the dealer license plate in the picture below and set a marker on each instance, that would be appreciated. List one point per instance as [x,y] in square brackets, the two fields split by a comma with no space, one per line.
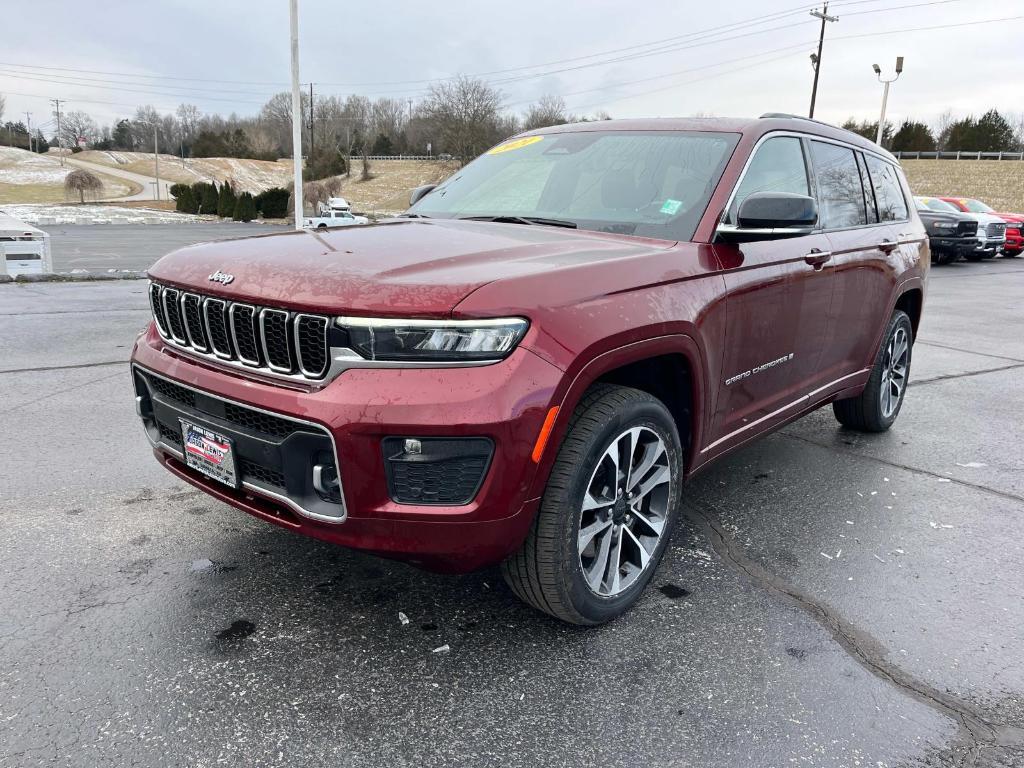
[209,452]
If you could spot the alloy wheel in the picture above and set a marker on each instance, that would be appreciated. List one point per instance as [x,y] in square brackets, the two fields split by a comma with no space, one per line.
[624,511]
[894,372]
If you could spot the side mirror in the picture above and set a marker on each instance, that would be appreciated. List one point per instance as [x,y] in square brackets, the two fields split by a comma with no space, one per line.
[420,192]
[768,215]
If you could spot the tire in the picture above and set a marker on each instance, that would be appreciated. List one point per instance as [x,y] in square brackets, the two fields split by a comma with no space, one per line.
[551,571]
[974,256]
[872,410]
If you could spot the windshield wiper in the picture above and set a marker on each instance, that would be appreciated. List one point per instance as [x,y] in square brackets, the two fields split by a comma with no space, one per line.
[412,216]
[522,220]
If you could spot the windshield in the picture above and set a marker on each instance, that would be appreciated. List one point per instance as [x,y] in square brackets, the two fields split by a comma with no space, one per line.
[976,206]
[645,183]
[935,204]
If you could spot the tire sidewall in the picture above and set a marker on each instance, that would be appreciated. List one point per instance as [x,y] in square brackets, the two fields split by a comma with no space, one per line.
[650,413]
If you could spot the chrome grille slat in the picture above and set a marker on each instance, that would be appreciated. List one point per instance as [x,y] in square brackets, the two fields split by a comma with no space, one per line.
[241,318]
[275,340]
[311,349]
[175,325]
[195,328]
[156,304]
[268,340]
[217,328]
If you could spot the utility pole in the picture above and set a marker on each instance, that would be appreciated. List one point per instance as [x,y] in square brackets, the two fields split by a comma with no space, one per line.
[885,94]
[28,120]
[312,141]
[60,146]
[293,8]
[823,15]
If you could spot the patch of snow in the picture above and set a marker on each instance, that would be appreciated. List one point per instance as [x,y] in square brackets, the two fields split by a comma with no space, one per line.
[19,166]
[56,215]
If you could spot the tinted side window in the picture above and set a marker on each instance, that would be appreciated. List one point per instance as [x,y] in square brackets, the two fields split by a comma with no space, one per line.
[840,194]
[869,195]
[891,204]
[777,166]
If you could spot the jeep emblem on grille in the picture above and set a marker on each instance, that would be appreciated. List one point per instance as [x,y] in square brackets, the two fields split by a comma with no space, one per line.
[221,277]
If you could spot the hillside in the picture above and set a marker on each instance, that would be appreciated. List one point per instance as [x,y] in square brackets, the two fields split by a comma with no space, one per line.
[1000,183]
[28,177]
[248,175]
[387,191]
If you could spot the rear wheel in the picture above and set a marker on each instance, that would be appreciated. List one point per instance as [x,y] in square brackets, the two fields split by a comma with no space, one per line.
[607,511]
[877,407]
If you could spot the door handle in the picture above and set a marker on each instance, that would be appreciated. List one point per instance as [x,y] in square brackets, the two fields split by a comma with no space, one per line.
[887,246]
[817,258]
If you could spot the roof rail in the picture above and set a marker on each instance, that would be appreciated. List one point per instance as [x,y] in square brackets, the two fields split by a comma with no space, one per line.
[787,116]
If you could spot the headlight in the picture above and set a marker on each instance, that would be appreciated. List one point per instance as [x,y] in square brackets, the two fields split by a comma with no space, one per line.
[432,340]
[944,225]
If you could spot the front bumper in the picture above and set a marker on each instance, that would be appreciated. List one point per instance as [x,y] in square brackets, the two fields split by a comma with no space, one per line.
[505,403]
[959,245]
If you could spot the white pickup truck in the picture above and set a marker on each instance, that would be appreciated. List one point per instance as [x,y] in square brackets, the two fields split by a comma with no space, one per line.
[336,212]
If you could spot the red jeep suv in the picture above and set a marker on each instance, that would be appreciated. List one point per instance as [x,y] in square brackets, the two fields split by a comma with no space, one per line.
[527,365]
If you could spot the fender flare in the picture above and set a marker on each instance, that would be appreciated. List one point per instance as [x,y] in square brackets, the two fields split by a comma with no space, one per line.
[568,398]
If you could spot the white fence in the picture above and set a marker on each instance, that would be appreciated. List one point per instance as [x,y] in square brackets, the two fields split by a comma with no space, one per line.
[959,155]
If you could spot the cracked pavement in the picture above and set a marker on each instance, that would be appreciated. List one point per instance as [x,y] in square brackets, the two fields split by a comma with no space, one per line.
[831,598]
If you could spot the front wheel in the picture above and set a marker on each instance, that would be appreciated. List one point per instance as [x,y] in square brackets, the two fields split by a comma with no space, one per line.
[877,407]
[607,511]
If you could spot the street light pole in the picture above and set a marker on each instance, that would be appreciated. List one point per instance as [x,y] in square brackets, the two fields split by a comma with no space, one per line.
[885,94]
[823,15]
[293,7]
[156,162]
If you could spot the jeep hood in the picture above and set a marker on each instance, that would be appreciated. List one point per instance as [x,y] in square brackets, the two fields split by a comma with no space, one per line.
[398,267]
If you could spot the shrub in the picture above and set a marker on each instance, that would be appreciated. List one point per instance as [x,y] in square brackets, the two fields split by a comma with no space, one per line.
[176,189]
[205,196]
[245,208]
[184,200]
[272,203]
[226,201]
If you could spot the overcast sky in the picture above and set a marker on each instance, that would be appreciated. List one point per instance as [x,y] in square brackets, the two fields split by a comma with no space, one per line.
[713,57]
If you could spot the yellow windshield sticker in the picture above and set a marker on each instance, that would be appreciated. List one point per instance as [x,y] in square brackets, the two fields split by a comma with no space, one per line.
[508,146]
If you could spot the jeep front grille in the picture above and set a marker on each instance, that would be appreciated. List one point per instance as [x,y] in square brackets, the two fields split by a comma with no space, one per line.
[266,339]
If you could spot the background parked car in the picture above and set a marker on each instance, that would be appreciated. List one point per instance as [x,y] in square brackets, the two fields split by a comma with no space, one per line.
[951,233]
[1014,221]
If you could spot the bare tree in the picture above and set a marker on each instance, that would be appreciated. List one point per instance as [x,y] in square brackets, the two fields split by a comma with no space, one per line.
[75,126]
[941,128]
[465,114]
[83,182]
[366,175]
[548,110]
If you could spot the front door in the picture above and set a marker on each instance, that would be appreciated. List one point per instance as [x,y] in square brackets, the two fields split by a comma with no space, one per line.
[779,295]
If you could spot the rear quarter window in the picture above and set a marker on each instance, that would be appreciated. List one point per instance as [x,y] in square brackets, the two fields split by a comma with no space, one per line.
[892,206]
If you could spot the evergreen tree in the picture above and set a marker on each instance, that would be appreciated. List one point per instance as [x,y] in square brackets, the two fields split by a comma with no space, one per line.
[993,133]
[913,137]
[184,201]
[226,201]
[272,203]
[245,208]
[206,197]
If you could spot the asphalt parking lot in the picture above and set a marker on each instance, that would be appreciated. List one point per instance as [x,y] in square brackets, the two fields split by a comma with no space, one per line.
[833,599]
[136,246]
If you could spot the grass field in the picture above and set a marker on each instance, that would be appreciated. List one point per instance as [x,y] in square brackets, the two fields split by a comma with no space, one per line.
[1000,183]
[28,177]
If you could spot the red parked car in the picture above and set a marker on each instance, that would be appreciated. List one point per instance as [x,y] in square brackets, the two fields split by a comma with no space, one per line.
[526,367]
[1014,221]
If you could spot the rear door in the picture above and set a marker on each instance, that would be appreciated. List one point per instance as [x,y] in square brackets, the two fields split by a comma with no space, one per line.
[778,297]
[867,256]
